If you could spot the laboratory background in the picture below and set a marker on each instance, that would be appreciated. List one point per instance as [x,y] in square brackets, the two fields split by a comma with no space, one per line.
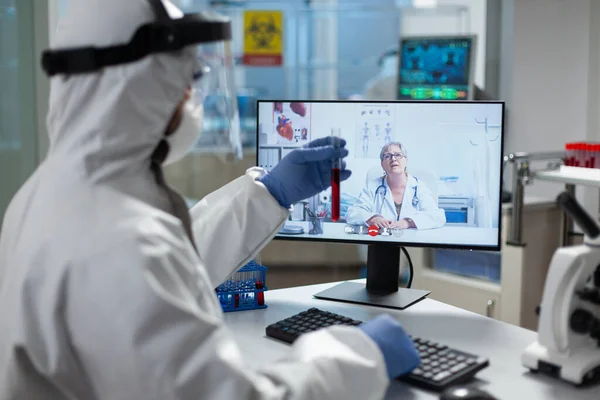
[541,58]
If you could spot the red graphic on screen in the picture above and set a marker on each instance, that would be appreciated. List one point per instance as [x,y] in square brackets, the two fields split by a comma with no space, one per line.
[373,230]
[284,127]
[298,108]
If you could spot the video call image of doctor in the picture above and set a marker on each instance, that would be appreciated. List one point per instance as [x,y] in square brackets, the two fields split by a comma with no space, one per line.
[396,199]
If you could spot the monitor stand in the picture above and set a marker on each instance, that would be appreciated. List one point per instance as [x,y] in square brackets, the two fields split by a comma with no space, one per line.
[381,290]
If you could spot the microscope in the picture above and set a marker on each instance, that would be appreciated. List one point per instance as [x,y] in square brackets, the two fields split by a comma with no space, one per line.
[568,344]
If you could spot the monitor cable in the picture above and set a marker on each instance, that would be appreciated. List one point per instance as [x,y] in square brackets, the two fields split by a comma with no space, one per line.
[411,271]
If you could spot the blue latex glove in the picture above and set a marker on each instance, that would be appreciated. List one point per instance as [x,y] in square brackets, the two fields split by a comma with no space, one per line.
[398,350]
[305,172]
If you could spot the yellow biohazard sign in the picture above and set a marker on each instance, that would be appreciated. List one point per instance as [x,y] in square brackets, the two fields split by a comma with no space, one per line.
[263,38]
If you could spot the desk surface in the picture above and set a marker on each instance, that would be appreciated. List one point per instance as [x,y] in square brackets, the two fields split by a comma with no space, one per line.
[457,235]
[502,343]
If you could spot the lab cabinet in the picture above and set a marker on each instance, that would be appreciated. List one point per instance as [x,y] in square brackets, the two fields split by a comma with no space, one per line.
[477,296]
[460,210]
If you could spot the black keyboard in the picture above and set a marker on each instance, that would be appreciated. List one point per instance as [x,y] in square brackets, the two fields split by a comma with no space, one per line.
[440,368]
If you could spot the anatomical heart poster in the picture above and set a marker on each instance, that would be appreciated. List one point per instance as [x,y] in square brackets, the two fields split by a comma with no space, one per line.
[291,123]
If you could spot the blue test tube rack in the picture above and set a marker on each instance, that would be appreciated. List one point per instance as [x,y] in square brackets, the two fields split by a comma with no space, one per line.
[244,290]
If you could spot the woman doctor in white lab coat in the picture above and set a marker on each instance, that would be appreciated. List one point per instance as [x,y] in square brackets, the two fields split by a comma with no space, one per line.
[397,199]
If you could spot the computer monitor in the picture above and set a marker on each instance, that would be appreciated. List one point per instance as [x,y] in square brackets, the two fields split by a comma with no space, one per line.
[436,68]
[430,172]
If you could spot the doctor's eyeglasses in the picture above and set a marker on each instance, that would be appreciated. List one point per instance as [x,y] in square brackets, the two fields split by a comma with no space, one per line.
[397,156]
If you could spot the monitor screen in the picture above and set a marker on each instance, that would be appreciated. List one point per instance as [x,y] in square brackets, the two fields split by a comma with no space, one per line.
[436,68]
[424,173]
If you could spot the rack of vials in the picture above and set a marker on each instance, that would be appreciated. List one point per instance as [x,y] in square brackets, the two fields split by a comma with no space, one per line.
[245,289]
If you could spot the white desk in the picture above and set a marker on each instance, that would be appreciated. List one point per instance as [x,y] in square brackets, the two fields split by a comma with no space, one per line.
[444,235]
[503,344]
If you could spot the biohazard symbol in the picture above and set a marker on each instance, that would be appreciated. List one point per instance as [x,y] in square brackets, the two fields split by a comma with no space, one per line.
[263,31]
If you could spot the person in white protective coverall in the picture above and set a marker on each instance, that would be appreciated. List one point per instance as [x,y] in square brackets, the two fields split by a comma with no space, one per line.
[107,282]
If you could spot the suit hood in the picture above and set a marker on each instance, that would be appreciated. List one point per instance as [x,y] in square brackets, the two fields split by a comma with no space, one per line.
[108,123]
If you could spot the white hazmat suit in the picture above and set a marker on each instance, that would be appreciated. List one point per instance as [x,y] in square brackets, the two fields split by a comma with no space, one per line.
[102,294]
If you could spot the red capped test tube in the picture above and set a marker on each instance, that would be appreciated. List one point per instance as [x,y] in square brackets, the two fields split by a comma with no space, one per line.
[569,154]
[336,169]
[260,295]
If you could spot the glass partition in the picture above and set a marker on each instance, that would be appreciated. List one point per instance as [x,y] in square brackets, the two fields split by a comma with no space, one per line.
[18,151]
[331,50]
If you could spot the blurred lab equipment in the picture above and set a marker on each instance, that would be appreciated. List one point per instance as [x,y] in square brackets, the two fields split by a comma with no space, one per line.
[299,211]
[315,221]
[383,86]
[292,230]
[436,68]
[568,344]
[245,289]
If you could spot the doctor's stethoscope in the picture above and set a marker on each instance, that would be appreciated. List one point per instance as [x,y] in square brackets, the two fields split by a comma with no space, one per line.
[382,190]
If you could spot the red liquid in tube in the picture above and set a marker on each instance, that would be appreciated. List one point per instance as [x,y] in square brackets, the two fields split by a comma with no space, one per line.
[260,295]
[335,194]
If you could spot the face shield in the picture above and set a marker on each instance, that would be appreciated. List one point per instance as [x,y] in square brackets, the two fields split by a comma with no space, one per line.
[215,90]
[171,32]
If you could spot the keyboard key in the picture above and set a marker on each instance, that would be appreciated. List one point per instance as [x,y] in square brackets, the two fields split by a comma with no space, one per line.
[425,367]
[458,367]
[471,361]
[441,376]
[428,375]
[460,358]
[418,372]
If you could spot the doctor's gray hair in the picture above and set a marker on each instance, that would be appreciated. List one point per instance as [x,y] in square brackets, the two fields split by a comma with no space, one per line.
[387,146]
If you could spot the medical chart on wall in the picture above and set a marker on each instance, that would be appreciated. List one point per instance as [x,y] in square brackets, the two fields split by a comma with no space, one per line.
[375,126]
